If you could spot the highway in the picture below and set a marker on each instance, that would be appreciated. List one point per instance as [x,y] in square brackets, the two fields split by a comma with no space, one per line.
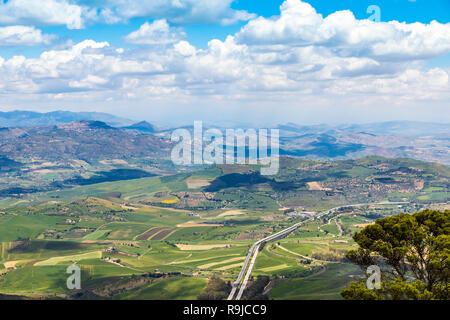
[252,254]
[254,249]
[249,271]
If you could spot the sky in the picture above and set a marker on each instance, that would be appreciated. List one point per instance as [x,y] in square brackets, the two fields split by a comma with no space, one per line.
[261,62]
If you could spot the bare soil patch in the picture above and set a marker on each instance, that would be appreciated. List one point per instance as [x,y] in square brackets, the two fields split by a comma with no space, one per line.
[164,233]
[31,263]
[231,213]
[192,247]
[10,264]
[230,266]
[316,186]
[212,264]
[197,183]
[191,224]
[150,233]
[362,225]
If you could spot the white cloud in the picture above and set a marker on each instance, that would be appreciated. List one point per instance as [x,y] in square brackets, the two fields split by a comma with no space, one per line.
[300,25]
[85,65]
[177,11]
[75,14]
[90,82]
[185,48]
[23,36]
[224,68]
[159,32]
[43,12]
[298,59]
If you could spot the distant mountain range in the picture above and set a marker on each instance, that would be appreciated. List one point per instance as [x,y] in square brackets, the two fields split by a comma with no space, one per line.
[29,118]
[85,140]
[91,135]
[407,128]
[395,139]
[142,126]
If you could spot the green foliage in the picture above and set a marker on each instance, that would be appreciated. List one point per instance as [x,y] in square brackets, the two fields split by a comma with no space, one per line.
[358,291]
[397,289]
[414,251]
[256,290]
[217,289]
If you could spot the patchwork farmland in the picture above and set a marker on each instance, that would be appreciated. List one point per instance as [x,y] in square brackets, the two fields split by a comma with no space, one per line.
[132,235]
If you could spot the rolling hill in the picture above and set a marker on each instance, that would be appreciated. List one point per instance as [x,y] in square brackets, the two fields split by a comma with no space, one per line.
[84,140]
[29,118]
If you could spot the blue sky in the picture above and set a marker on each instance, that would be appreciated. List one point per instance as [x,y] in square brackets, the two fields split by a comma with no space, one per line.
[409,11]
[179,60]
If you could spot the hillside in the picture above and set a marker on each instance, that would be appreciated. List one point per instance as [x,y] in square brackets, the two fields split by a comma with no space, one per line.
[78,153]
[162,237]
[398,139]
[394,139]
[300,184]
[29,118]
[84,140]
[142,126]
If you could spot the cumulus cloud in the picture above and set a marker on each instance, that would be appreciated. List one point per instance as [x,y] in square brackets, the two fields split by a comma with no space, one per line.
[85,65]
[159,32]
[410,84]
[224,68]
[176,11]
[23,36]
[297,57]
[43,12]
[75,14]
[185,48]
[300,25]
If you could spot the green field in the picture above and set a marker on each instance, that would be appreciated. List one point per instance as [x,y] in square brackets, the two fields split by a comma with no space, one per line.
[325,286]
[102,228]
[181,288]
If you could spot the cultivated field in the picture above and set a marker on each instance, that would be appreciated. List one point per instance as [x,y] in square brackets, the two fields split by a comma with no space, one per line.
[163,237]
